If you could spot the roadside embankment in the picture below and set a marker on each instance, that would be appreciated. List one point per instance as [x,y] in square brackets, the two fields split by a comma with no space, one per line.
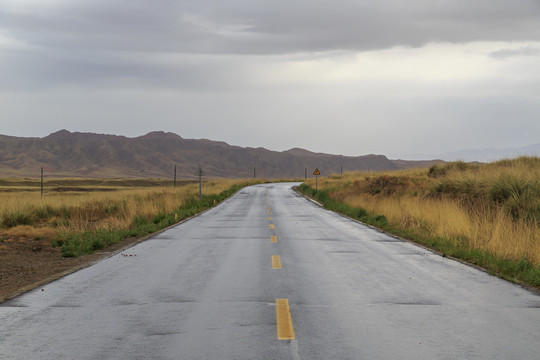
[485,214]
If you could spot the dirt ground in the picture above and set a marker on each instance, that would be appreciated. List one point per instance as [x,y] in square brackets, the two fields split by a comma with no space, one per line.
[27,263]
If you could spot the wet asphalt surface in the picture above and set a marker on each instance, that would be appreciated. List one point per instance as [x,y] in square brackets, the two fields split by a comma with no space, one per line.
[206,289]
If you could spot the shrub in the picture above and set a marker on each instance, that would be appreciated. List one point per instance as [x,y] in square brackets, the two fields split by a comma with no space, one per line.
[159,218]
[16,218]
[361,213]
[505,187]
[381,221]
[45,212]
[442,170]
[87,242]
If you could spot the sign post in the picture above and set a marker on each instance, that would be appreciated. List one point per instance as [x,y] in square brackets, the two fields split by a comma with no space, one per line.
[316,173]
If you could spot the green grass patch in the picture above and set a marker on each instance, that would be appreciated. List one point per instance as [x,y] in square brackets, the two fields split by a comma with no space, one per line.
[87,242]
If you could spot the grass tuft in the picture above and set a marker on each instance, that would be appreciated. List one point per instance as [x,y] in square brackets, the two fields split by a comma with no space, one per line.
[16,218]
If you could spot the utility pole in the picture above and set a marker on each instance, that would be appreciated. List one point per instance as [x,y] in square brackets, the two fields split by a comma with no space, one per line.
[174,184]
[254,172]
[305,174]
[42,183]
[200,173]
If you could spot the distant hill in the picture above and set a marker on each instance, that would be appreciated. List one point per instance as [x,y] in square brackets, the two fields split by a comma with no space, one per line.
[154,155]
[483,155]
[492,154]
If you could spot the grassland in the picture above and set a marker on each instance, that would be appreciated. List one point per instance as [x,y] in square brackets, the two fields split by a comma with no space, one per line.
[42,238]
[82,216]
[486,214]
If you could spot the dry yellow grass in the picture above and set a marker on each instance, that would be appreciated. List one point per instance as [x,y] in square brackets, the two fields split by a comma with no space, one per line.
[491,207]
[31,232]
[94,210]
[489,230]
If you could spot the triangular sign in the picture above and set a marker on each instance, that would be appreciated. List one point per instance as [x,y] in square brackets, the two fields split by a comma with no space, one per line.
[316,172]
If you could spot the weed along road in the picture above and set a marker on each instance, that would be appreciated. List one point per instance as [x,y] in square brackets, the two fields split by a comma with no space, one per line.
[270,275]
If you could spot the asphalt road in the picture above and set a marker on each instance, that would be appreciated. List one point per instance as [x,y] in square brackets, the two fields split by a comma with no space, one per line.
[270,275]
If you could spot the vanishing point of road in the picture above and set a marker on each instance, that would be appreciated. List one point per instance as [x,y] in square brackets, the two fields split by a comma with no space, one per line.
[270,275]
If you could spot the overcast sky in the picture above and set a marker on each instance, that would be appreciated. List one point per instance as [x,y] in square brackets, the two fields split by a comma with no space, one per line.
[348,77]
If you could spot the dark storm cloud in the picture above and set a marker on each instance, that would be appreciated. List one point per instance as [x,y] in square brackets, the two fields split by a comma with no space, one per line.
[271,27]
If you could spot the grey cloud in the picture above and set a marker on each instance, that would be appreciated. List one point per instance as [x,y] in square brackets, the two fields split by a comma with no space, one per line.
[83,42]
[522,51]
[31,69]
[270,27]
[232,48]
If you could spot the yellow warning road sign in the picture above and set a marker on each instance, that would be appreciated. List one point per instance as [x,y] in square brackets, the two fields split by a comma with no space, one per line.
[317,172]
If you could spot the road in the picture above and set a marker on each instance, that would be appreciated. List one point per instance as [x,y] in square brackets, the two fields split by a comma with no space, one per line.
[270,275]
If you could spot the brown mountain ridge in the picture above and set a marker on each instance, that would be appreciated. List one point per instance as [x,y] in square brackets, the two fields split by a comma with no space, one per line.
[154,155]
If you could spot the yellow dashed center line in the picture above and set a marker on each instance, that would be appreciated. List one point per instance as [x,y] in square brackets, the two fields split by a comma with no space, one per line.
[276,262]
[285,329]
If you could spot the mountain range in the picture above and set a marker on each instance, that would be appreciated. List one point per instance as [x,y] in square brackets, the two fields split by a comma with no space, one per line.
[154,155]
[479,155]
[491,154]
